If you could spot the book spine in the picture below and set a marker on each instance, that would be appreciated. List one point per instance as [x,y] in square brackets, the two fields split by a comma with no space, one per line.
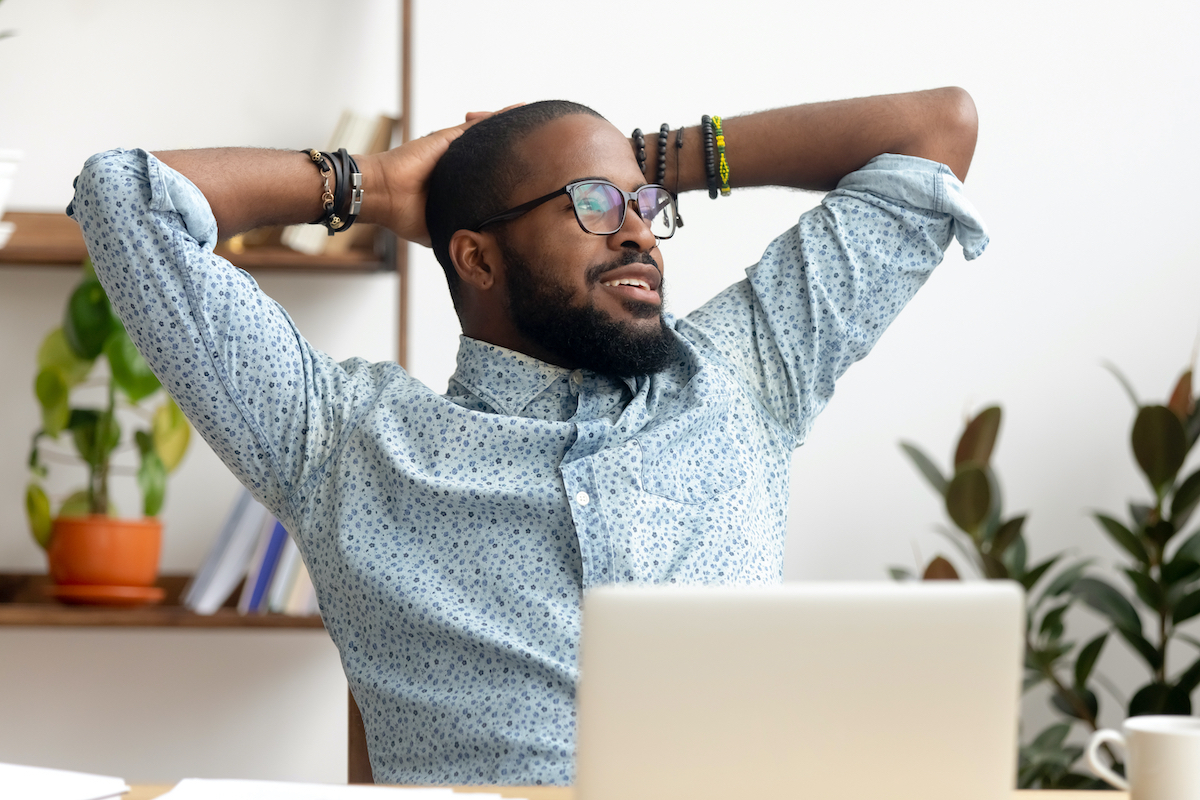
[279,537]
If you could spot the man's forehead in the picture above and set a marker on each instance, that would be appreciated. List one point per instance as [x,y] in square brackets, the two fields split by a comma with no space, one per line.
[573,147]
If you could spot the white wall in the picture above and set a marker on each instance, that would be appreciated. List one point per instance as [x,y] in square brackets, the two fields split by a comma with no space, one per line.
[83,76]
[1083,171]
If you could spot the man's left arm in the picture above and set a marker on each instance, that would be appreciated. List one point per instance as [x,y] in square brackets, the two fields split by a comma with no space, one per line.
[826,289]
[814,146]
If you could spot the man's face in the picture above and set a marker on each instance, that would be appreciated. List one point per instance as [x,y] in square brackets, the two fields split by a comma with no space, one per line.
[592,301]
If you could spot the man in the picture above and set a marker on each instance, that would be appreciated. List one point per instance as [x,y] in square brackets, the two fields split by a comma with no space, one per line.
[586,437]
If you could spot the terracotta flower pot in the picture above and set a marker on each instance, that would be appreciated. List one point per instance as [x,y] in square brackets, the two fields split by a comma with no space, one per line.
[104,551]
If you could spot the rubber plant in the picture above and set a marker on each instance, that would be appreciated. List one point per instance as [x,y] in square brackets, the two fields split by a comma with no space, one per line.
[996,549]
[66,363]
[1163,570]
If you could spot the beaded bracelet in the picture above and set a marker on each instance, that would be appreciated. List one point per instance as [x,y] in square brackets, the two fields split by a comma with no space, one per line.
[663,132]
[639,149]
[723,168]
[710,164]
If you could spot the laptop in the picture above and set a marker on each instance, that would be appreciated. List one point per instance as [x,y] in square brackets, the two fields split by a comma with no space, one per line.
[870,691]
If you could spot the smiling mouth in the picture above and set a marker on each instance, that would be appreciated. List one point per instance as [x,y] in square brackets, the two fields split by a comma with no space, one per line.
[638,282]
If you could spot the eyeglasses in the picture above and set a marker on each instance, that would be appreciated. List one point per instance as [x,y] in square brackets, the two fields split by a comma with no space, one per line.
[600,207]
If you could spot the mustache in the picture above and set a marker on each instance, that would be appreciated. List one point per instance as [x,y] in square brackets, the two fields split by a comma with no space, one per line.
[625,259]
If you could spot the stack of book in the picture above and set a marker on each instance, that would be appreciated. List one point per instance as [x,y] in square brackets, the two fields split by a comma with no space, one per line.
[256,552]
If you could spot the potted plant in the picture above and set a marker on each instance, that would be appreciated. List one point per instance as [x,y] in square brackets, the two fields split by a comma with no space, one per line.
[93,555]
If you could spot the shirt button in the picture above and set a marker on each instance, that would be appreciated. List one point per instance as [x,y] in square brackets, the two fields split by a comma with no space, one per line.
[582,498]
[577,377]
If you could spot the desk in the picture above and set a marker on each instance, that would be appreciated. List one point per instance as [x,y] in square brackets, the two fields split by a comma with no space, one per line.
[564,793]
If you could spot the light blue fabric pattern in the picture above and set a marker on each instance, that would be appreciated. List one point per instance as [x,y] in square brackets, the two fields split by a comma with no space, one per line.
[450,537]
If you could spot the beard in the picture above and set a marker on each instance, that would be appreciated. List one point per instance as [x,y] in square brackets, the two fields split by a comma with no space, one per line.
[541,309]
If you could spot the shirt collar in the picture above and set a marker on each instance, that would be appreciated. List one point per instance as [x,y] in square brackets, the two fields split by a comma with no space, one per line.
[507,380]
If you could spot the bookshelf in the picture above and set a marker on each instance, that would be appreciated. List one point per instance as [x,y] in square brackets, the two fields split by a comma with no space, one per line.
[23,602]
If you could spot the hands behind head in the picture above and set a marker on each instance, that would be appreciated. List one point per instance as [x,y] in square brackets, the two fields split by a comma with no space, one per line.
[403,174]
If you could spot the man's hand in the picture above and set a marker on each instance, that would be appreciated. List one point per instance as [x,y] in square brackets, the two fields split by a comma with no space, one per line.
[403,174]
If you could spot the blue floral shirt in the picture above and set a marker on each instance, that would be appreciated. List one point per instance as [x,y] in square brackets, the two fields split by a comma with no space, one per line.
[451,536]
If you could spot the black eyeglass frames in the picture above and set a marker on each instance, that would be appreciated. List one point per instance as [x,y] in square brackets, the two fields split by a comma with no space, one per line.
[600,207]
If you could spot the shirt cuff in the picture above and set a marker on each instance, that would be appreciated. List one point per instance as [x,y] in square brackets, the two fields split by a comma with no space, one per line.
[925,184]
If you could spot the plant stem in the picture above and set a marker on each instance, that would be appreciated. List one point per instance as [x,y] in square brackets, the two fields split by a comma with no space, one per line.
[99,489]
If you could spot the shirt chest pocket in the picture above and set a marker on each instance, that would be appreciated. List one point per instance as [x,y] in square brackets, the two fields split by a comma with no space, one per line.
[696,458]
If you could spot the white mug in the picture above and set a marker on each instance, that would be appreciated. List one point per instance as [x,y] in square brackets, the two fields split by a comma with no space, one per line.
[1162,757]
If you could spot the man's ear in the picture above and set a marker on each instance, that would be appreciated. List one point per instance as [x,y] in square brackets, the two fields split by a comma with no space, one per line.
[475,258]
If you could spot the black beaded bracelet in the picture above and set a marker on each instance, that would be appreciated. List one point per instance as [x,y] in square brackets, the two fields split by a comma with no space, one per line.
[639,149]
[663,131]
[710,163]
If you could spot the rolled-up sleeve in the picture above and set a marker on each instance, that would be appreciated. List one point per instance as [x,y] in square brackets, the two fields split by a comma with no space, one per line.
[826,289]
[269,404]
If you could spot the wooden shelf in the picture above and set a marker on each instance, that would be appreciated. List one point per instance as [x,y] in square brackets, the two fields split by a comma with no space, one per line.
[23,602]
[54,240]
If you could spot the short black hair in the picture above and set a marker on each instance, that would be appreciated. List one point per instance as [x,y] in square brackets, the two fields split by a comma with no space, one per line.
[478,173]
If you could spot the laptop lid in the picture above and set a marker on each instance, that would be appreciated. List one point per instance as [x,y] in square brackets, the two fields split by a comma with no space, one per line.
[828,690]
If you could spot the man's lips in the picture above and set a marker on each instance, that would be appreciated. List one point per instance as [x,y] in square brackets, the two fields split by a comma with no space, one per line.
[634,282]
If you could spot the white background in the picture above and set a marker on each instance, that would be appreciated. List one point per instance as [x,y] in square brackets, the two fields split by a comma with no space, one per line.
[1084,172]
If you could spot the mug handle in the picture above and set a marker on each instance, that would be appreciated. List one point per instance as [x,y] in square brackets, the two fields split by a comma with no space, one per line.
[1093,757]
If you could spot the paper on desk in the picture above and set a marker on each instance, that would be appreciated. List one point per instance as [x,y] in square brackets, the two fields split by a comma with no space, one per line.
[204,789]
[18,781]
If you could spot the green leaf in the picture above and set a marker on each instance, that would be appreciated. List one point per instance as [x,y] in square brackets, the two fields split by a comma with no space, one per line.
[926,467]
[52,393]
[1030,579]
[1140,512]
[86,427]
[1052,623]
[1066,579]
[1159,445]
[1148,590]
[77,505]
[979,439]
[1150,699]
[1125,384]
[1178,702]
[88,319]
[1124,538]
[1086,660]
[1190,678]
[1086,696]
[1190,548]
[1187,608]
[171,433]
[130,372]
[993,568]
[152,480]
[1006,535]
[1179,570]
[1103,598]
[1052,738]
[1160,533]
[1186,498]
[1149,653]
[1014,558]
[37,511]
[55,352]
[901,574]
[1181,402]
[969,498]
[1032,678]
[940,570]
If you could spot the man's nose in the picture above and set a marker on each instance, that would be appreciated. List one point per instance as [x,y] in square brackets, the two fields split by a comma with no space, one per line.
[634,232]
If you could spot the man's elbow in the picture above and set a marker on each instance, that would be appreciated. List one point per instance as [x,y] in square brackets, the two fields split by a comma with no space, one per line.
[957,130]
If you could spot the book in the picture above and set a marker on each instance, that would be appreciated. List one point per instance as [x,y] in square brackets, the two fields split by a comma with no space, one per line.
[359,134]
[19,781]
[227,561]
[302,601]
[262,567]
[285,577]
